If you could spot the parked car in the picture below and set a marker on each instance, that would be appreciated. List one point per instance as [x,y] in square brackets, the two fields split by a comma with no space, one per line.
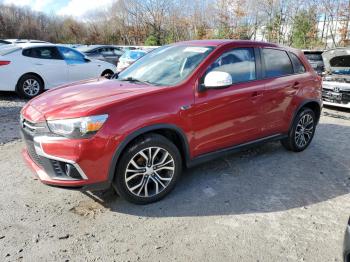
[106,53]
[28,41]
[336,81]
[315,59]
[30,68]
[178,106]
[128,58]
[4,42]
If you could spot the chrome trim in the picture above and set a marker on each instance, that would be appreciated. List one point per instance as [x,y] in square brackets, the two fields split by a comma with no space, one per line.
[40,151]
[25,123]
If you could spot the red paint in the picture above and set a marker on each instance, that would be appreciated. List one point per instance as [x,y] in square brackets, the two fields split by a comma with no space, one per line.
[217,119]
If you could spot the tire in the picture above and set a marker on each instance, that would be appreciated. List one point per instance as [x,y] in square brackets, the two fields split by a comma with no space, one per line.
[30,86]
[302,131]
[107,74]
[142,182]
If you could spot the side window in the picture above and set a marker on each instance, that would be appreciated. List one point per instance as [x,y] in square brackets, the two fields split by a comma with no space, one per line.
[71,56]
[239,63]
[276,62]
[42,53]
[117,52]
[297,64]
[107,52]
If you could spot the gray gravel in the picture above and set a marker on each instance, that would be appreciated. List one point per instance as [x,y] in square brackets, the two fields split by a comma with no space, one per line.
[265,204]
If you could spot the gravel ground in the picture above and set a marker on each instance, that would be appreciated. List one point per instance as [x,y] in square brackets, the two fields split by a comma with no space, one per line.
[264,204]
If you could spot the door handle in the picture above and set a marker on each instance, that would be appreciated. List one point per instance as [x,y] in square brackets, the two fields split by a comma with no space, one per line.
[296,85]
[256,94]
[38,64]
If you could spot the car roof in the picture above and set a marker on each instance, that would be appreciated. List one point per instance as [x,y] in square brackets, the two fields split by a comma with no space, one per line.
[93,47]
[221,42]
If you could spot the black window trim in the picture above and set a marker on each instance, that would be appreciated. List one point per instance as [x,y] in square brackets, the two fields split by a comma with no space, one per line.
[301,62]
[37,47]
[258,67]
[263,64]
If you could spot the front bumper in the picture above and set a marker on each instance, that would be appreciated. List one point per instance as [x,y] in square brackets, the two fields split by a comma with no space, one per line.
[62,162]
[336,94]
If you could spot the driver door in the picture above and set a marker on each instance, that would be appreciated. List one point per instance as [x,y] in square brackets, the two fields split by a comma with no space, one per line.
[229,116]
[79,68]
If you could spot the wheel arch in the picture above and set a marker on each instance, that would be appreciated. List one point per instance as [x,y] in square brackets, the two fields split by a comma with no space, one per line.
[314,105]
[170,131]
[30,73]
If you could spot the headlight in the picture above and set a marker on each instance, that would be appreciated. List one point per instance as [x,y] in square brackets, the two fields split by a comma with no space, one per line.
[77,127]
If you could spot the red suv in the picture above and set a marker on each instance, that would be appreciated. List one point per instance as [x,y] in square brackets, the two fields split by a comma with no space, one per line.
[178,106]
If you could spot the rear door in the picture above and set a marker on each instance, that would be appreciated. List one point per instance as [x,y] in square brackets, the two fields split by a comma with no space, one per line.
[229,116]
[48,62]
[79,68]
[281,85]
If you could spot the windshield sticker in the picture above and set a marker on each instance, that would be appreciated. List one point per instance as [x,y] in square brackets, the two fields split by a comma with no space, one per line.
[196,49]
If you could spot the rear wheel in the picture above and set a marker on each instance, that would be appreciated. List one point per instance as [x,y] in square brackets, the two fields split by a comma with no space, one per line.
[302,131]
[148,170]
[29,86]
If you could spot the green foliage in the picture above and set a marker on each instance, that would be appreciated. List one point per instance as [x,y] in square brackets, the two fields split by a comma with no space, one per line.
[151,41]
[303,31]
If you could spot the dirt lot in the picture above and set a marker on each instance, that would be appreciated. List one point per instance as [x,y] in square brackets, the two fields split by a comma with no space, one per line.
[264,204]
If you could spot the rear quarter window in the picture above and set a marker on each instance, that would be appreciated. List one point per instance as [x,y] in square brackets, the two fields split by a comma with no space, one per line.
[297,64]
[276,63]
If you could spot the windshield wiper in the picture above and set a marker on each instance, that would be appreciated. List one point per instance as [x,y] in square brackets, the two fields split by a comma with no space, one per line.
[134,80]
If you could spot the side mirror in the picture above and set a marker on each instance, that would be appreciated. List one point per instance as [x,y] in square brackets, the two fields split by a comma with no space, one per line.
[86,59]
[217,79]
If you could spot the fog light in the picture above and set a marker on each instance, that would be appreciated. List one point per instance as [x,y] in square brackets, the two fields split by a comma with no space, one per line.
[71,171]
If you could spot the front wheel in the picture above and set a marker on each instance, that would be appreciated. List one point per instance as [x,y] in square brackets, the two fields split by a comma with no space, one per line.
[302,131]
[30,86]
[148,170]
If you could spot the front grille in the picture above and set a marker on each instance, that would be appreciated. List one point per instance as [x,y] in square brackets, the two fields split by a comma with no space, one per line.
[327,94]
[32,153]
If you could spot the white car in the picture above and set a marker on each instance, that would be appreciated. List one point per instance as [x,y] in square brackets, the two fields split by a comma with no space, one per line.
[128,58]
[28,69]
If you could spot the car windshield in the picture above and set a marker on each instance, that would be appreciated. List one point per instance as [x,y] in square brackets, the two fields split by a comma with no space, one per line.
[166,66]
[133,55]
[314,57]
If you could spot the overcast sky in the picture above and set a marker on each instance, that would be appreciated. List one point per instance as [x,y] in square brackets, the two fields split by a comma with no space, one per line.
[76,8]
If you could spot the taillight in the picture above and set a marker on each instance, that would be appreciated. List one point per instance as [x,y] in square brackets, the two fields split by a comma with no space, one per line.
[2,63]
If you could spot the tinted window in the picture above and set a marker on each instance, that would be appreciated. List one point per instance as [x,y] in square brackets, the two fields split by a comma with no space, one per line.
[297,64]
[314,57]
[42,53]
[340,61]
[71,55]
[239,63]
[117,52]
[277,63]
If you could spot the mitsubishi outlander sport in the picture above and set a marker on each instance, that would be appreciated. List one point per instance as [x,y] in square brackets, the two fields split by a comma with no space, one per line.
[178,106]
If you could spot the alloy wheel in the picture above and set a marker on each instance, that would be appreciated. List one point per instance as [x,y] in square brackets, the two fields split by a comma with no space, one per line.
[149,172]
[31,87]
[304,130]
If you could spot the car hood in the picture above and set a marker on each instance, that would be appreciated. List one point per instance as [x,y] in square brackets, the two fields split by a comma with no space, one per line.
[82,99]
[330,54]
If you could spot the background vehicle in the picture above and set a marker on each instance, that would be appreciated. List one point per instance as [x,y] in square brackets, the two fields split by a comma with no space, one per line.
[106,53]
[129,57]
[180,105]
[30,68]
[28,41]
[4,42]
[336,81]
[315,59]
